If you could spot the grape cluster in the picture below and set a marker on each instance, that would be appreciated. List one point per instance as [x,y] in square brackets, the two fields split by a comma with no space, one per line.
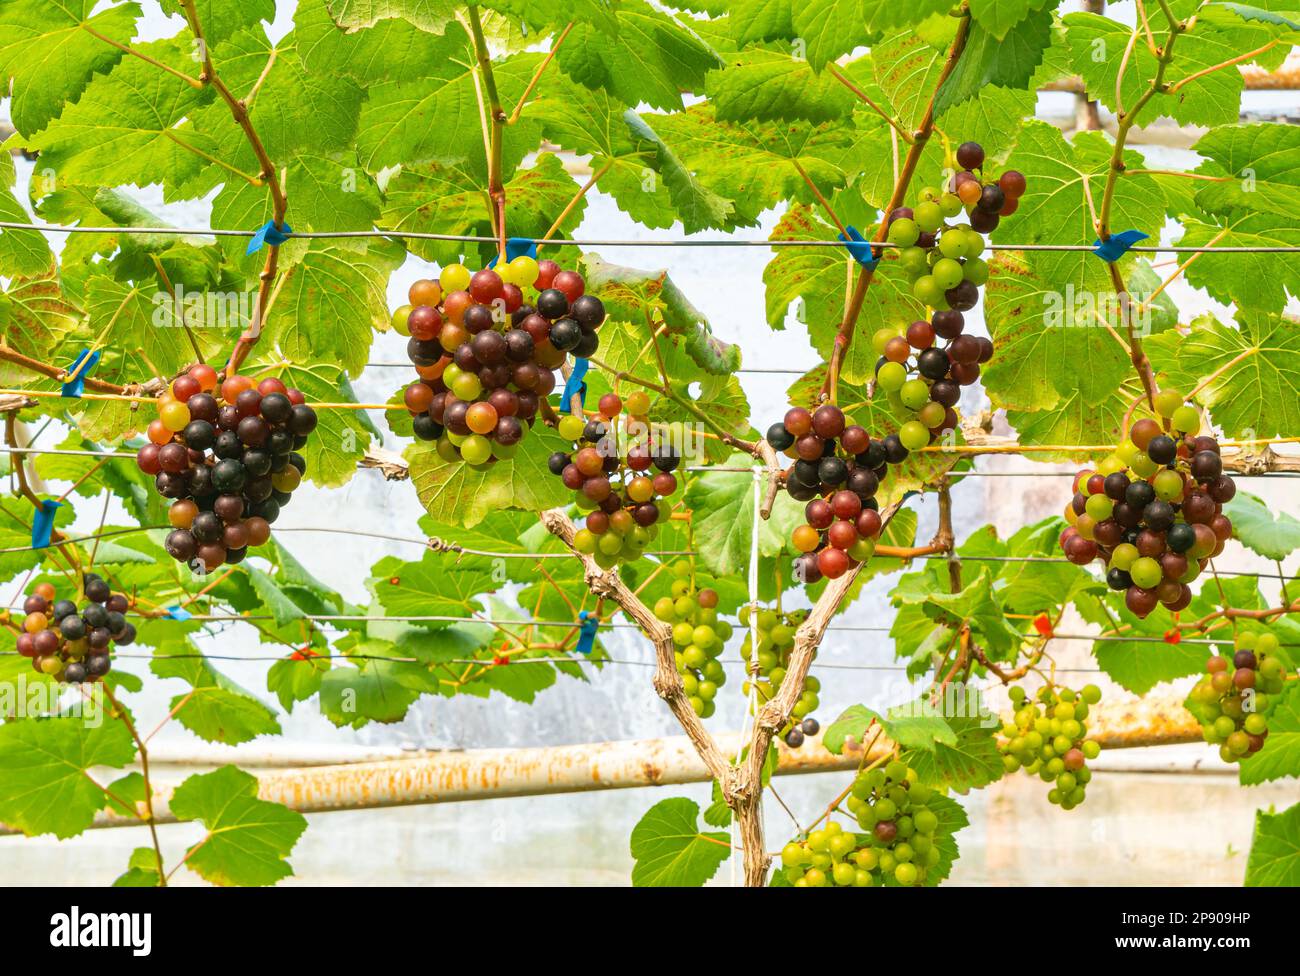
[776,631]
[1153,510]
[228,458]
[486,357]
[837,470]
[899,844]
[1234,697]
[71,643]
[943,261]
[1049,737]
[611,479]
[699,635]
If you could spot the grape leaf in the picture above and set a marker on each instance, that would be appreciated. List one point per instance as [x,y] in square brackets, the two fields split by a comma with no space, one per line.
[1275,850]
[651,59]
[907,69]
[1009,60]
[295,679]
[768,84]
[247,840]
[375,690]
[45,781]
[429,15]
[143,870]
[392,49]
[22,252]
[222,18]
[760,20]
[969,763]
[999,16]
[1262,161]
[429,587]
[48,53]
[35,315]
[831,28]
[1248,375]
[1253,280]
[723,503]
[1062,178]
[669,849]
[1256,529]
[126,126]
[907,727]
[454,491]
[215,708]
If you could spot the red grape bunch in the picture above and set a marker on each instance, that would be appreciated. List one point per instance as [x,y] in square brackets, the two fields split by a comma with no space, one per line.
[486,351]
[228,458]
[1237,694]
[1153,510]
[611,479]
[837,470]
[71,643]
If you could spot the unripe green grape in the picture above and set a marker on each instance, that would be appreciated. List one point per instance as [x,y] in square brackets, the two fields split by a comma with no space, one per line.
[976,271]
[610,544]
[1127,451]
[570,426]
[914,435]
[915,394]
[862,550]
[1099,507]
[1143,466]
[952,244]
[476,449]
[683,632]
[1111,464]
[947,273]
[584,540]
[950,204]
[928,216]
[932,414]
[880,338]
[1167,402]
[1146,572]
[914,262]
[927,291]
[1124,556]
[974,243]
[1186,419]
[903,232]
[707,690]
[1168,485]
[906,874]
[891,377]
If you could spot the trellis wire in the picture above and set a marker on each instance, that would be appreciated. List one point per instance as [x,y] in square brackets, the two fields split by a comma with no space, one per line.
[615,242]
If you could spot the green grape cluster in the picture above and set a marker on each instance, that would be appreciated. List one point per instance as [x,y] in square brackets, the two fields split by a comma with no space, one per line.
[699,636]
[898,842]
[1049,737]
[776,632]
[1235,696]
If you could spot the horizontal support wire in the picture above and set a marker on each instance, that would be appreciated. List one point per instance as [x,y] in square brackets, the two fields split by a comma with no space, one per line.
[610,242]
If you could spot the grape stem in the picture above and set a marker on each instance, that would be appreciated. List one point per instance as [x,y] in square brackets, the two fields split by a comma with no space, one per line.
[834,71]
[1127,119]
[537,75]
[844,336]
[121,713]
[55,372]
[279,202]
[496,188]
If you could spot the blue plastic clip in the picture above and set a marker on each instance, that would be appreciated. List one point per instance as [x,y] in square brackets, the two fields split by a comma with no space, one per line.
[860,248]
[1117,245]
[43,523]
[517,247]
[178,612]
[79,370]
[587,631]
[574,384]
[269,233]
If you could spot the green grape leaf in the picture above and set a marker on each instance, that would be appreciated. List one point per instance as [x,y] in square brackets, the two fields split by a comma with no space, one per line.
[1274,860]
[22,252]
[1280,757]
[332,301]
[1009,60]
[1062,177]
[1253,280]
[295,678]
[1248,375]
[760,20]
[907,725]
[430,587]
[973,760]
[392,49]
[768,84]
[831,28]
[669,849]
[1262,160]
[907,68]
[695,205]
[35,315]
[248,840]
[376,689]
[143,870]
[222,18]
[125,127]
[45,781]
[999,16]
[48,53]
[1254,526]
[814,281]
[215,708]
[452,491]
[651,59]
[428,15]
[724,507]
